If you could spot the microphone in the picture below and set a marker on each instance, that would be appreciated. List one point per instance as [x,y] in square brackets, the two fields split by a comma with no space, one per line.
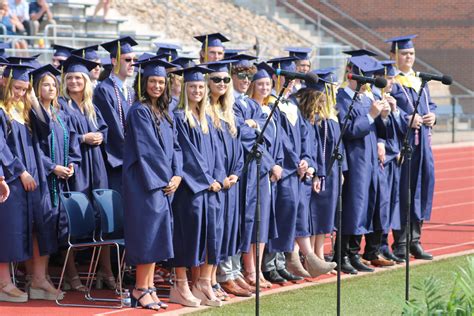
[309,77]
[447,80]
[379,82]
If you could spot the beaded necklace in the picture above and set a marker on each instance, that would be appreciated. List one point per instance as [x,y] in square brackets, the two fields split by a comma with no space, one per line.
[119,100]
[54,185]
[323,179]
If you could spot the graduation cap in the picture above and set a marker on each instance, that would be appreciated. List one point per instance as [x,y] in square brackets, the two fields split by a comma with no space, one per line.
[263,71]
[20,60]
[229,53]
[184,62]
[18,72]
[328,74]
[301,53]
[360,52]
[89,52]
[39,73]
[145,57]
[220,66]
[195,73]
[365,65]
[60,50]
[320,85]
[283,63]
[78,64]
[212,40]
[4,46]
[242,60]
[166,48]
[401,42]
[388,68]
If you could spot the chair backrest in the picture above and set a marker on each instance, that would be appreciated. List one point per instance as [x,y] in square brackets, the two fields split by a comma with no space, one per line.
[80,214]
[109,203]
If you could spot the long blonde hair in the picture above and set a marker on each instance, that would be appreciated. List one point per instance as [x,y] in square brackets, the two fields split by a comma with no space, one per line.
[8,102]
[223,109]
[313,103]
[202,106]
[86,103]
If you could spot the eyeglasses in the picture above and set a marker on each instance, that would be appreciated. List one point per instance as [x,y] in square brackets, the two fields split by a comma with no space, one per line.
[128,60]
[243,75]
[219,79]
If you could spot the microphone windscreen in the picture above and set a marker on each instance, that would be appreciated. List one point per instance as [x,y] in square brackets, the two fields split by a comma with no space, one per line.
[380,82]
[311,78]
[447,80]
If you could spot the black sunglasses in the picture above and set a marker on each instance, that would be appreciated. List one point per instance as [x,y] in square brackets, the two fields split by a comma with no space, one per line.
[128,60]
[218,79]
[243,75]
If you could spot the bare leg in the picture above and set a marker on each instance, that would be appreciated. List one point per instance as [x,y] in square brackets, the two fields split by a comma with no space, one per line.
[40,266]
[98,7]
[319,246]
[142,283]
[304,244]
[204,282]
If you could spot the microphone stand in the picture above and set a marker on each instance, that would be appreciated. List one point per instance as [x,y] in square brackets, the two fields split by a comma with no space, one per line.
[337,155]
[407,152]
[256,153]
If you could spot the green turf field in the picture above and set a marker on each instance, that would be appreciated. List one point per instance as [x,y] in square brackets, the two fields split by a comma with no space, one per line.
[377,294]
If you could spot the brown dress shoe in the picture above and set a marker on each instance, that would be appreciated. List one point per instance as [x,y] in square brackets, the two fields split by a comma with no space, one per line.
[243,284]
[232,288]
[381,262]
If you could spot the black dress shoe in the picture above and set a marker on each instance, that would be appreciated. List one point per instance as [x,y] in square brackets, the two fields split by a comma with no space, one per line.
[285,274]
[390,256]
[346,266]
[358,265]
[400,253]
[417,251]
[274,277]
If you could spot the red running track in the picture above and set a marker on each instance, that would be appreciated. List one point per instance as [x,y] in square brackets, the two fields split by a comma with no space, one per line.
[450,230]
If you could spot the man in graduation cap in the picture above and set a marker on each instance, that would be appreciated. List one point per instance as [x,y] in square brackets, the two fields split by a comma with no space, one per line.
[422,165]
[61,53]
[359,193]
[212,48]
[303,63]
[114,98]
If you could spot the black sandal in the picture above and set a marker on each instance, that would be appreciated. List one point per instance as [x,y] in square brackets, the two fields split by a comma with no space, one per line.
[135,302]
[160,303]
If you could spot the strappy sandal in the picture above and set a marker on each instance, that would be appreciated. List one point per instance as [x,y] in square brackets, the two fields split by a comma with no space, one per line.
[160,303]
[135,302]
[74,283]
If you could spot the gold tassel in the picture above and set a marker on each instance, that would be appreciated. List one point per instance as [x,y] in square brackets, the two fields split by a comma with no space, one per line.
[140,82]
[10,76]
[84,53]
[119,53]
[385,76]
[396,54]
[278,83]
[206,42]
[61,84]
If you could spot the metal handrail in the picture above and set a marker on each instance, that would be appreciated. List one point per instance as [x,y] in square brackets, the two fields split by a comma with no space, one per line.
[375,34]
[54,28]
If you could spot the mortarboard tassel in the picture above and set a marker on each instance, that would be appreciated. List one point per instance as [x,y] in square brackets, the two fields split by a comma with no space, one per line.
[84,53]
[206,43]
[278,83]
[140,82]
[396,54]
[10,76]
[119,53]
[61,84]
[385,76]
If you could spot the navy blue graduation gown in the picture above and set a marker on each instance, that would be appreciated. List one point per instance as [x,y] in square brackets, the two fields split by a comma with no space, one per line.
[230,149]
[359,192]
[91,173]
[244,109]
[152,158]
[195,207]
[24,211]
[105,99]
[52,136]
[323,205]
[295,148]
[422,163]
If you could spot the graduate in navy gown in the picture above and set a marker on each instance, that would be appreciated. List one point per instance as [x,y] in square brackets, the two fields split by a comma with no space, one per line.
[27,227]
[422,163]
[272,160]
[319,116]
[91,131]
[360,141]
[302,63]
[113,99]
[152,170]
[196,202]
[221,98]
[389,147]
[90,53]
[4,188]
[57,139]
